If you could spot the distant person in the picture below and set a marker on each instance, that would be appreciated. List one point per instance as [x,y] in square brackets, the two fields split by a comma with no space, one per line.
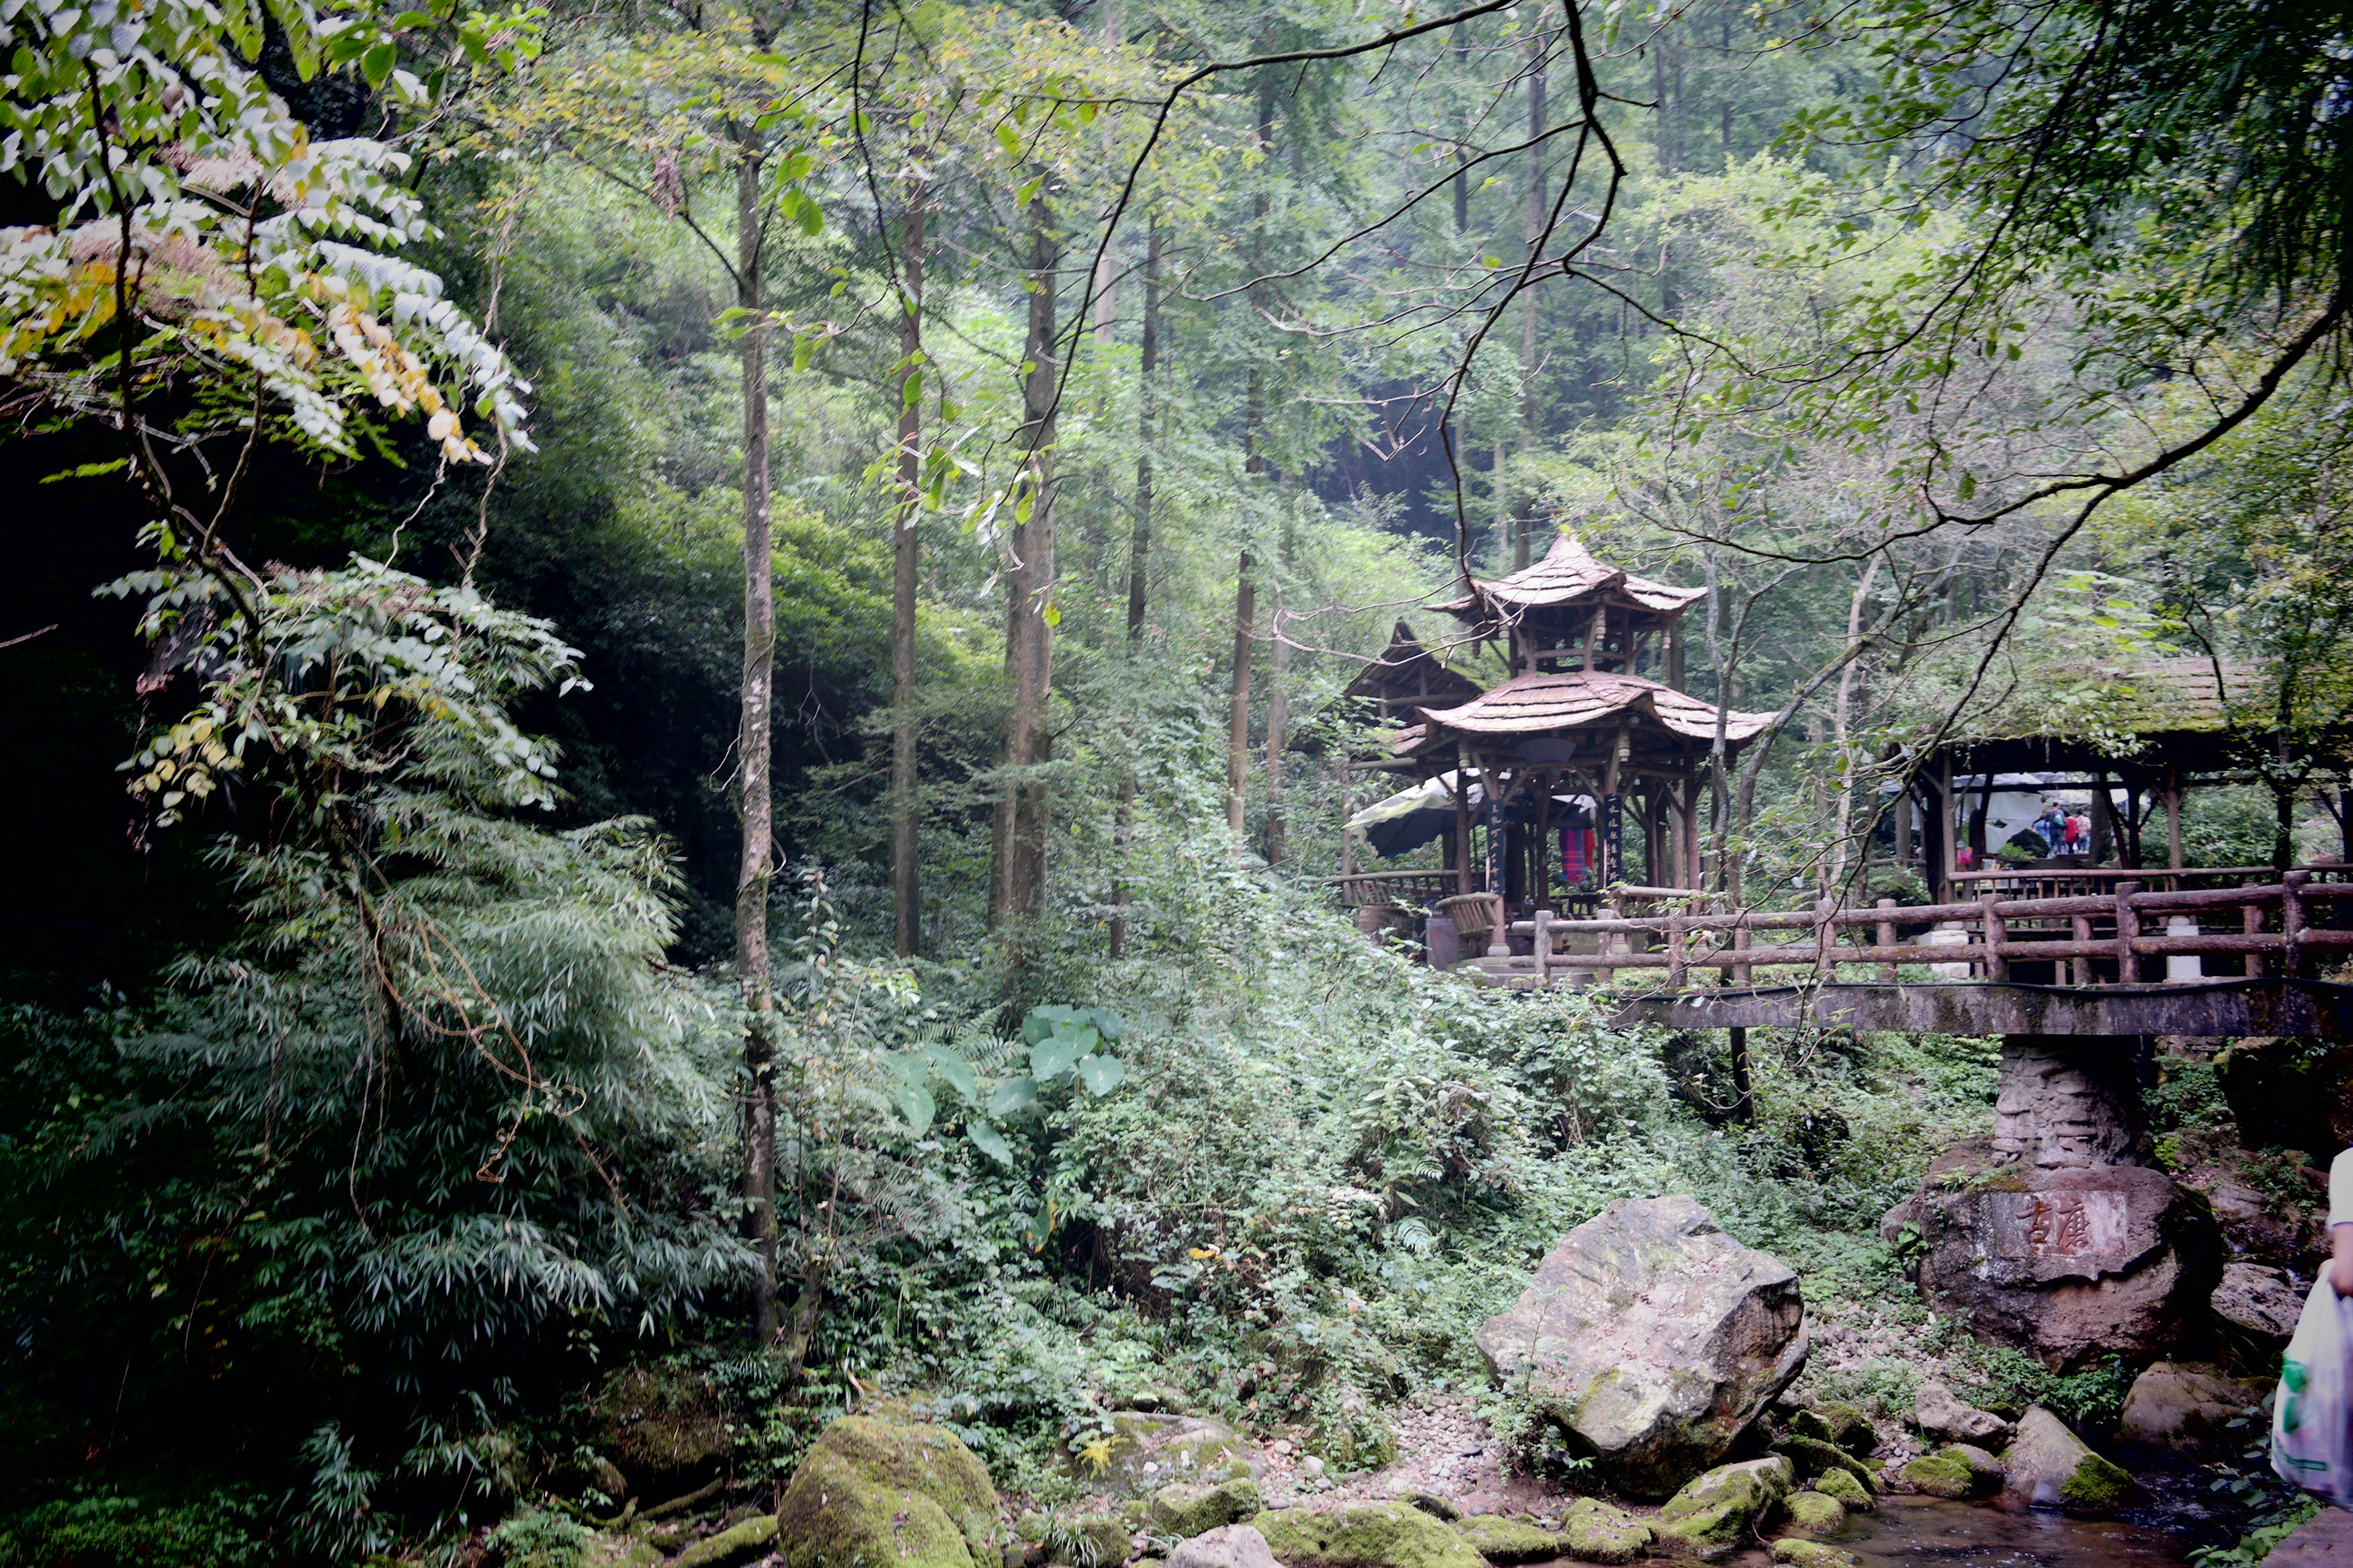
[1965,857]
[2047,824]
[2073,834]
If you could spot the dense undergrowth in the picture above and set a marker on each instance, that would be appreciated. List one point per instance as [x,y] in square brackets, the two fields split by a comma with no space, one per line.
[1322,1167]
[334,1243]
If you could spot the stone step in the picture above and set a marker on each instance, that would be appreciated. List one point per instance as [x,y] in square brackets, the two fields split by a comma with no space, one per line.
[2326,1539]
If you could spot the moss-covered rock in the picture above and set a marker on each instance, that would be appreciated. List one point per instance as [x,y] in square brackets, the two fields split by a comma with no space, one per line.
[1940,1476]
[1984,1469]
[1594,1532]
[1798,1552]
[1364,1535]
[1851,1494]
[1813,1514]
[1811,1457]
[1839,1423]
[2047,1464]
[1721,1510]
[870,1492]
[1501,1540]
[743,1540]
[665,1428]
[1432,1504]
[1139,1452]
[1185,1509]
[2096,1487]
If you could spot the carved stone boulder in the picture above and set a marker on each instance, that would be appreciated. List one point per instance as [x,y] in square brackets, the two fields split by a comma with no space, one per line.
[2071,1265]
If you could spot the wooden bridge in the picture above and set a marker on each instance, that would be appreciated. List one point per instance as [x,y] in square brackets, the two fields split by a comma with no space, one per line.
[2068,952]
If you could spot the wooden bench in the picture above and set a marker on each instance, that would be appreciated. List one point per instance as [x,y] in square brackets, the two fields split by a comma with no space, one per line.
[1480,918]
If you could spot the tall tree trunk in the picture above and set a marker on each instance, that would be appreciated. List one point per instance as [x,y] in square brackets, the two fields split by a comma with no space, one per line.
[757,866]
[1524,526]
[1463,154]
[1663,125]
[1022,813]
[1719,751]
[1238,696]
[905,563]
[1139,561]
[1725,42]
[1278,720]
[1253,465]
[1841,716]
[1499,481]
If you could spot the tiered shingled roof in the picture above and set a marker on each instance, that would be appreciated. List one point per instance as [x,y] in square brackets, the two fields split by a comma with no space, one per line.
[1548,702]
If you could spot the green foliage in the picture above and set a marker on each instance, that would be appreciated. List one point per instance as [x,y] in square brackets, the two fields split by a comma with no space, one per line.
[2227,826]
[2009,1380]
[98,1529]
[2187,1097]
[534,1538]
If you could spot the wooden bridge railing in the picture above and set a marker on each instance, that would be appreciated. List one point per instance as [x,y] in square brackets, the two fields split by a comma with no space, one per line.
[2281,928]
[2069,881]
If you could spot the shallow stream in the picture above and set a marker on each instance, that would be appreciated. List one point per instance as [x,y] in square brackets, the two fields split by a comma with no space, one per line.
[1924,1530]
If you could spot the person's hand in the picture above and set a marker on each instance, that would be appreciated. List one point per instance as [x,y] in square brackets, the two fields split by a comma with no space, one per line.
[2339,1273]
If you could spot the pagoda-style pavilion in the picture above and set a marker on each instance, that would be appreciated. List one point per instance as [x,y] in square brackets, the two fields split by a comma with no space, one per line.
[1590,722]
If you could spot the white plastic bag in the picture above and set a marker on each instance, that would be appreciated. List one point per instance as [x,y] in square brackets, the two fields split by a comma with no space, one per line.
[2312,1417]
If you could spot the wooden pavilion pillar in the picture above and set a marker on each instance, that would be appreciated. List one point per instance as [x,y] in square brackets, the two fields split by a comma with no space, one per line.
[1613,816]
[1462,820]
[1693,869]
[2173,816]
[1540,868]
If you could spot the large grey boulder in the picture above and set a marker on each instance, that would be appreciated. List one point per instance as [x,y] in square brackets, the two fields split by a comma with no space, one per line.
[2259,1302]
[1227,1546]
[1654,1339]
[2189,1409]
[1940,1413]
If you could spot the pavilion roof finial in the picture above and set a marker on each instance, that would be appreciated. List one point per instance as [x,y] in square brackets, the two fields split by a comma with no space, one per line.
[1569,575]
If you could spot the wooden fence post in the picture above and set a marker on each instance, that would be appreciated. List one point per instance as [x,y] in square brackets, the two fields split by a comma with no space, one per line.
[1997,960]
[1886,935]
[1825,941]
[2293,916]
[1675,924]
[1743,977]
[2128,928]
[2251,922]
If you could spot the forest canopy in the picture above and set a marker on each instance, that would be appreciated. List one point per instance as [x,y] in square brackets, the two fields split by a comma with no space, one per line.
[678,671]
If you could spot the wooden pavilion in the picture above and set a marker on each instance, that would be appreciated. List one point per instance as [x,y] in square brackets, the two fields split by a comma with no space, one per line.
[2167,728]
[1591,715]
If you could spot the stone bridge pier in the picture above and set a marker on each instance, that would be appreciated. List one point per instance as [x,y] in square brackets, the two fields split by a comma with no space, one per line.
[2073,1102]
[2058,1234]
